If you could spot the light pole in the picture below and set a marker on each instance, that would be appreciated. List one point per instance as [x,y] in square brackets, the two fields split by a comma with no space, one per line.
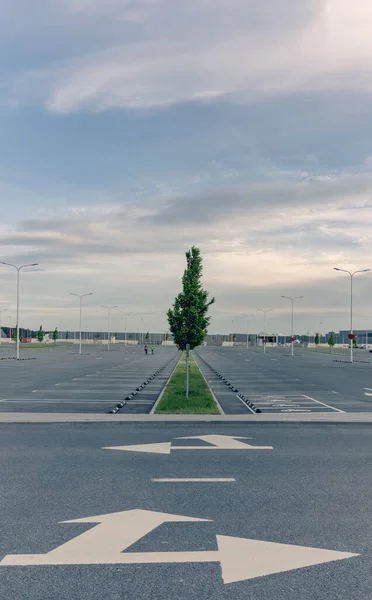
[351,304]
[126,315]
[264,311]
[18,269]
[246,327]
[80,296]
[292,300]
[109,308]
[1,331]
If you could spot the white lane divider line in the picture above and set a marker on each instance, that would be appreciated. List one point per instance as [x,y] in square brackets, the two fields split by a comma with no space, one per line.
[369,392]
[196,480]
[324,404]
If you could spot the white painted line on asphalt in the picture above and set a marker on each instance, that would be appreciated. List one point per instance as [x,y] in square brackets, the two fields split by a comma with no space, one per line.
[240,559]
[333,392]
[56,401]
[195,480]
[324,404]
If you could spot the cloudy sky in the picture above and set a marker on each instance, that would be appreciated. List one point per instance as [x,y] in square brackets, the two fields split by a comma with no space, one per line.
[132,129]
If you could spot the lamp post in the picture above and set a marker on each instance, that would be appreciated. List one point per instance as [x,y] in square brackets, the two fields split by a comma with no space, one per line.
[264,311]
[1,331]
[109,308]
[80,296]
[246,327]
[125,315]
[292,300]
[18,269]
[351,304]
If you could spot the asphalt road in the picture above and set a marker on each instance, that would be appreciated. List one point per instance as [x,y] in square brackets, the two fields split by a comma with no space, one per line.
[312,489]
[58,379]
[277,382]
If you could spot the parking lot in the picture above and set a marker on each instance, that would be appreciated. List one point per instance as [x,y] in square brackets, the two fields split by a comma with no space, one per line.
[277,382]
[58,379]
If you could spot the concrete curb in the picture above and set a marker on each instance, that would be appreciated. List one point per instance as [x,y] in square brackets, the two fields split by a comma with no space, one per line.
[138,389]
[152,411]
[209,387]
[335,418]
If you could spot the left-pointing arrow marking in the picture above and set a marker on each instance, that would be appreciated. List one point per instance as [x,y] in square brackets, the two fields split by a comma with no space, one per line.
[218,442]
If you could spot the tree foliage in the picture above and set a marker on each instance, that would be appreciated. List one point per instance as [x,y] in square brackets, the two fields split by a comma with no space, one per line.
[331,340]
[55,334]
[188,320]
[40,334]
[317,340]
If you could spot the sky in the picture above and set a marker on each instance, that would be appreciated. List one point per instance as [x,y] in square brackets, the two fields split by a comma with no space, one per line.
[134,129]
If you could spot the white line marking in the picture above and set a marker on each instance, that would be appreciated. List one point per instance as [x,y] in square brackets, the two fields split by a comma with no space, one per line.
[195,480]
[324,404]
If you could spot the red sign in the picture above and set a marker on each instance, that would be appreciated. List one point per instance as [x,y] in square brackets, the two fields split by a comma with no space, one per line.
[291,339]
[351,336]
[264,341]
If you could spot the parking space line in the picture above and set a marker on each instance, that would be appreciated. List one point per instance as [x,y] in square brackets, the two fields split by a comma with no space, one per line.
[324,404]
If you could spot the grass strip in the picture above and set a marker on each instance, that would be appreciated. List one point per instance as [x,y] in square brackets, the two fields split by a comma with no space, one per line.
[200,400]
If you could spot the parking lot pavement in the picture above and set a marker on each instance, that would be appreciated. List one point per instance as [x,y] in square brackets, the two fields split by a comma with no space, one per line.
[212,517]
[60,380]
[276,382]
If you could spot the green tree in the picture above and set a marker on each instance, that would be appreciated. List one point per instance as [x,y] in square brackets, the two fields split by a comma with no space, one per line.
[40,334]
[14,334]
[188,320]
[66,335]
[317,340]
[147,336]
[55,335]
[355,343]
[331,340]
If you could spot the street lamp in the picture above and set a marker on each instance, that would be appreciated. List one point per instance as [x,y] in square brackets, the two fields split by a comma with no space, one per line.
[246,326]
[126,315]
[292,300]
[265,310]
[351,303]
[109,308]
[80,296]
[17,317]
[1,331]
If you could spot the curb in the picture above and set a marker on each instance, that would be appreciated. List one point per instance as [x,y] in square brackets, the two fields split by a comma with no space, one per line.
[120,405]
[210,389]
[152,411]
[241,397]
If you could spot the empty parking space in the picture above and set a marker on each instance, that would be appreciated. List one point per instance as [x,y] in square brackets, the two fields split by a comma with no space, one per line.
[59,380]
[277,382]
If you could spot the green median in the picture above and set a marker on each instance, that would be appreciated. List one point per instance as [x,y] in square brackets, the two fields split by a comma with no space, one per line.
[200,400]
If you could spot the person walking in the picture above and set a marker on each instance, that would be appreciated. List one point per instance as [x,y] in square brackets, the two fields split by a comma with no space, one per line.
[145,349]
[152,349]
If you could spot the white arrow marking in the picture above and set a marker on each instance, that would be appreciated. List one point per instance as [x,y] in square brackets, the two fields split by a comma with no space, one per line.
[367,393]
[220,442]
[104,543]
[240,558]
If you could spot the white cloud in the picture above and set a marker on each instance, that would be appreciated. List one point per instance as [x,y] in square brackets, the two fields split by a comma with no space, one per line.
[130,255]
[194,52]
